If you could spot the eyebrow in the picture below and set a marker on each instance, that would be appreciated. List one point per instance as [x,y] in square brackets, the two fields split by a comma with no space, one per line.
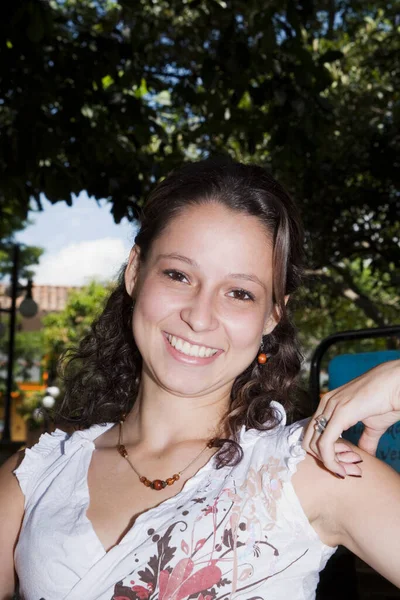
[193,263]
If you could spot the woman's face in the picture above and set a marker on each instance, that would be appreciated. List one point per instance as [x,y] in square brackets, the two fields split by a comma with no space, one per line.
[202,299]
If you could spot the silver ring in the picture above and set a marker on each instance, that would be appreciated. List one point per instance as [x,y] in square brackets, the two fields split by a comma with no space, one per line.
[321,423]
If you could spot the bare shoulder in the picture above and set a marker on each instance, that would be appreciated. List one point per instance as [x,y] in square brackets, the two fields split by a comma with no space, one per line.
[11,516]
[12,463]
[314,486]
[10,490]
[339,509]
[367,516]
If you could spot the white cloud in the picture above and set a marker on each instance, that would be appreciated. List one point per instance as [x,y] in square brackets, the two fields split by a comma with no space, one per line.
[77,263]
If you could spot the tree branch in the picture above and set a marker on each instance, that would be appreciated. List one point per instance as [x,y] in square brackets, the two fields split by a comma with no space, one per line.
[331,19]
[350,290]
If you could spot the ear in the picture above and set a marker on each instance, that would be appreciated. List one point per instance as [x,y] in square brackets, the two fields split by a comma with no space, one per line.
[132,270]
[273,318]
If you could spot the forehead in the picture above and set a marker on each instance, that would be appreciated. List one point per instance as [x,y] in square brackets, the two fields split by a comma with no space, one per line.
[211,233]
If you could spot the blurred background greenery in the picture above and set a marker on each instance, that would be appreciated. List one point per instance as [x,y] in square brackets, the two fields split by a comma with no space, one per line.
[107,96]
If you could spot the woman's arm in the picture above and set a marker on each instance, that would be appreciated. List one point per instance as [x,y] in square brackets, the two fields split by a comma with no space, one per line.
[363,514]
[368,516]
[11,515]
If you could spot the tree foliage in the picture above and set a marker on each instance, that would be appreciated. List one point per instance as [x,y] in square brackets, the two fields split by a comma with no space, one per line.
[64,329]
[29,256]
[108,96]
[28,354]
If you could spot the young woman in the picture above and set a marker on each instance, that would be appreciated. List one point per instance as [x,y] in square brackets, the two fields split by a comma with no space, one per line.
[184,479]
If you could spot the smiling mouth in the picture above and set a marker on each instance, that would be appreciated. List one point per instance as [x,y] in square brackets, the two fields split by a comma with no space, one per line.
[190,349]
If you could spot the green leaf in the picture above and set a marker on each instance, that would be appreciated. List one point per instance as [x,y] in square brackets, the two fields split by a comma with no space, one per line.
[106,81]
[142,90]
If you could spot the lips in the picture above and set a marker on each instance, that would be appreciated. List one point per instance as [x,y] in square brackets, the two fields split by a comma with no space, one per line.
[190,349]
[192,342]
[190,359]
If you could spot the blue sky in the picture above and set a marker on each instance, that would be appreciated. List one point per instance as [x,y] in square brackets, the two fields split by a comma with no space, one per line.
[81,242]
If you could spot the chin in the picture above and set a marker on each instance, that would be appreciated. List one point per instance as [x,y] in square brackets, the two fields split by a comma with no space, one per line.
[182,384]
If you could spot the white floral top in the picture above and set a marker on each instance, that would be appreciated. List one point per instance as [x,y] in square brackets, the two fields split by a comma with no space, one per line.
[231,533]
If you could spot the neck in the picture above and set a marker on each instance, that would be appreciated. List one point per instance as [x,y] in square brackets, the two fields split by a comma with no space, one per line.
[160,419]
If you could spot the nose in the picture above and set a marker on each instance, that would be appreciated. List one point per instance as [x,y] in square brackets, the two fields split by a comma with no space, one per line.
[199,313]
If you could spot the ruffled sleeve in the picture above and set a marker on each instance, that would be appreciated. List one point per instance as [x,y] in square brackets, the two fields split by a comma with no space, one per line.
[283,443]
[36,457]
[294,435]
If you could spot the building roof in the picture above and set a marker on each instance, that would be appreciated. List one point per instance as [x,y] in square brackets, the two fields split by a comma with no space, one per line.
[49,298]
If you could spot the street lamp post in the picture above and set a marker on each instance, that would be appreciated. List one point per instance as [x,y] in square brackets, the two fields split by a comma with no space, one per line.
[29,310]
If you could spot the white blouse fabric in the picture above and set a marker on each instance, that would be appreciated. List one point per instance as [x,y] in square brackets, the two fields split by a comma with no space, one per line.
[231,533]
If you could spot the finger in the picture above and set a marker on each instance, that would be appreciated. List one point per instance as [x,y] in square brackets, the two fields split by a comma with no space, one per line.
[309,432]
[326,441]
[323,444]
[349,460]
[348,457]
[311,442]
[311,436]
[343,452]
[345,455]
[342,446]
[326,408]
[328,458]
[352,469]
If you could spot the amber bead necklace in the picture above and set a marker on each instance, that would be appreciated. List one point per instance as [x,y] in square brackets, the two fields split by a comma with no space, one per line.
[156,484]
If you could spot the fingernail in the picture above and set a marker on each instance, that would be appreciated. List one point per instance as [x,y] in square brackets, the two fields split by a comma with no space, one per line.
[354,475]
[339,475]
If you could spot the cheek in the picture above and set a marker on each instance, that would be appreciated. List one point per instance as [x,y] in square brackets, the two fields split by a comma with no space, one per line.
[154,303]
[244,332]
[148,309]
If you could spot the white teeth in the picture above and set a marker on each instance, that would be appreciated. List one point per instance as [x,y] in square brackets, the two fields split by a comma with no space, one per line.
[189,349]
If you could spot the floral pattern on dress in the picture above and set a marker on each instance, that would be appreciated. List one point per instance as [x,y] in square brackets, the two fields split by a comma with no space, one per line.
[186,565]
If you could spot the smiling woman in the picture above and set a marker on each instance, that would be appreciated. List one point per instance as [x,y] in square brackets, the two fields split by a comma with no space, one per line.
[226,224]
[183,479]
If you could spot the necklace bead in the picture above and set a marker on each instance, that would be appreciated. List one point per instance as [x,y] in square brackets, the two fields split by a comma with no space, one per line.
[156,484]
[122,450]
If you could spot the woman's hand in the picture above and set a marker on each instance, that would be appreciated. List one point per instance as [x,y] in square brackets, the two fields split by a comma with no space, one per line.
[374,399]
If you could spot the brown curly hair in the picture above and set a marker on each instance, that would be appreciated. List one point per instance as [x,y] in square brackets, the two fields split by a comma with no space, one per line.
[102,375]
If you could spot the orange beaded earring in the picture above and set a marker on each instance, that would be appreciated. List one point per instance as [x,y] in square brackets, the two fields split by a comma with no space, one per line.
[262,357]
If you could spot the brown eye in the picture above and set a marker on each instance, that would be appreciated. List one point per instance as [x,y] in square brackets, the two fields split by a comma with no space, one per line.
[243,295]
[174,275]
